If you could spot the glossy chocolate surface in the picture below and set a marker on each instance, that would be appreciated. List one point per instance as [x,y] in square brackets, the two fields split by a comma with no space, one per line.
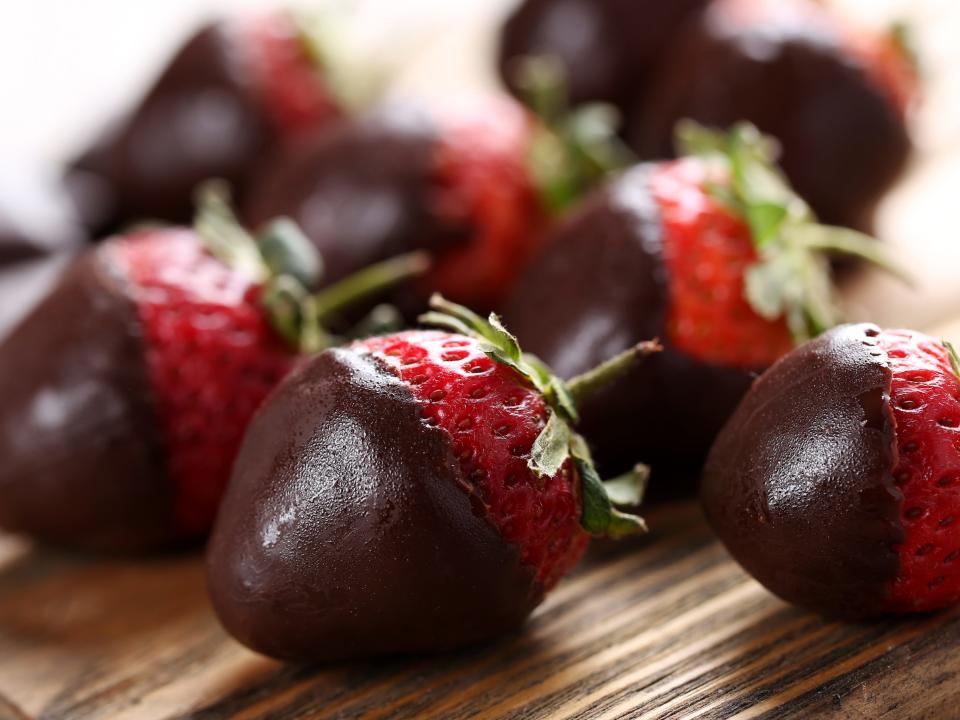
[200,120]
[81,466]
[611,49]
[361,191]
[346,531]
[844,139]
[599,288]
[799,485]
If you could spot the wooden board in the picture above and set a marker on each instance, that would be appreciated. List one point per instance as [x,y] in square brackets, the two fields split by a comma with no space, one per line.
[663,627]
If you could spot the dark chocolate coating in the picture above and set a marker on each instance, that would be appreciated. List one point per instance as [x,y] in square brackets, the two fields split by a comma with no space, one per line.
[600,287]
[23,285]
[359,190]
[81,464]
[799,484]
[610,49]
[844,140]
[201,119]
[347,530]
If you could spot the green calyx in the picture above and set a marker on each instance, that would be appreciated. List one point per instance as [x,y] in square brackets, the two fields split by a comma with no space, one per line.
[953,357]
[904,41]
[354,83]
[791,278]
[573,149]
[286,265]
[557,442]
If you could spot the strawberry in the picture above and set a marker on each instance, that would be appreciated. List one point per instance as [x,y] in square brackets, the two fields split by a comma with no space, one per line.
[610,50]
[473,182]
[236,90]
[158,347]
[410,493]
[834,482]
[836,97]
[712,253]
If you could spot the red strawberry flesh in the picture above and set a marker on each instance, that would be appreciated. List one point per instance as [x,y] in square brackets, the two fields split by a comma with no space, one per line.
[707,251]
[492,417]
[483,184]
[925,399]
[292,89]
[211,358]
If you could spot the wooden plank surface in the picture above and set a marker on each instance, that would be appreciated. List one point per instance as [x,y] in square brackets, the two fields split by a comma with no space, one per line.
[663,627]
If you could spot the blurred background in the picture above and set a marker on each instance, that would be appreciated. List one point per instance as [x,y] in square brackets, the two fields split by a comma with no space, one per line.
[70,66]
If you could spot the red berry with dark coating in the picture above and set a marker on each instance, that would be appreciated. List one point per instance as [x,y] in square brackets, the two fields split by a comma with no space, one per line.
[678,250]
[707,251]
[127,392]
[211,356]
[293,90]
[835,96]
[835,481]
[482,182]
[236,91]
[492,416]
[412,493]
[453,181]
[129,389]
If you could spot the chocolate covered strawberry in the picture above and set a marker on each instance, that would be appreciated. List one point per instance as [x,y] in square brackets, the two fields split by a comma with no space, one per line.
[715,255]
[410,493]
[127,391]
[834,95]
[835,483]
[238,89]
[473,183]
[609,50]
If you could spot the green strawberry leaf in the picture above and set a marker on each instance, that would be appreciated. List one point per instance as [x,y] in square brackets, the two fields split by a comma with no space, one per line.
[557,443]
[791,277]
[285,263]
[571,150]
[954,358]
[551,449]
[599,517]
[287,251]
[628,490]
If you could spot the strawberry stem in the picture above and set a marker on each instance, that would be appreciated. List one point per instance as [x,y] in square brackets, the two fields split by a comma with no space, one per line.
[572,149]
[953,357]
[225,238]
[791,276]
[586,384]
[369,282]
[628,490]
[557,443]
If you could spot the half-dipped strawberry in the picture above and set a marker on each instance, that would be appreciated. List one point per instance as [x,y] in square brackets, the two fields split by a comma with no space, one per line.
[713,254]
[411,493]
[237,90]
[836,482]
[834,95]
[127,391]
[609,50]
[472,182]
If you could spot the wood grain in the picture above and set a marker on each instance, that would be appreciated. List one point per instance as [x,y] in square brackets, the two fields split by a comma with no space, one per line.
[663,627]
